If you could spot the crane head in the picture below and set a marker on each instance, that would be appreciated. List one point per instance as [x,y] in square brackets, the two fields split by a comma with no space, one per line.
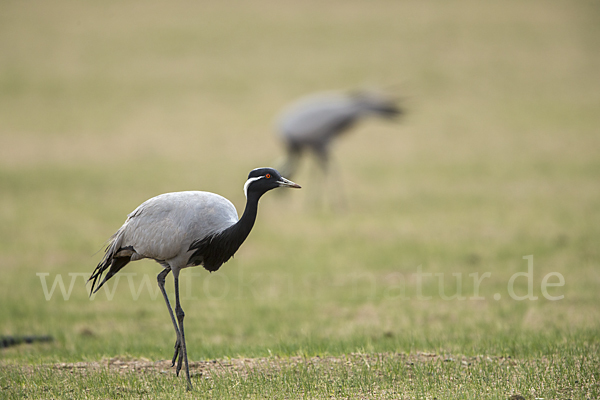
[378,103]
[261,180]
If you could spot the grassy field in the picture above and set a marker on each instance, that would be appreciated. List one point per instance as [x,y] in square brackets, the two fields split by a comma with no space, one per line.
[412,290]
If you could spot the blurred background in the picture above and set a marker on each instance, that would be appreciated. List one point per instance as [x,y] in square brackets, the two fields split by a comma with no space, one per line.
[104,105]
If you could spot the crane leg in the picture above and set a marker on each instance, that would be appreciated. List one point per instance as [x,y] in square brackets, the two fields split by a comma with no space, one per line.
[316,196]
[161,284]
[336,185]
[180,315]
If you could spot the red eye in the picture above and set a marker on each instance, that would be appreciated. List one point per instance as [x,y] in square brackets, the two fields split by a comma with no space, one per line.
[267,176]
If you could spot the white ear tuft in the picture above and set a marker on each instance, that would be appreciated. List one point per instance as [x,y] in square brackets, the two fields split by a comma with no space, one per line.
[248,182]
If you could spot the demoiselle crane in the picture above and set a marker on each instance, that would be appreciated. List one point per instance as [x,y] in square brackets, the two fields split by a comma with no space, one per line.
[313,122]
[185,229]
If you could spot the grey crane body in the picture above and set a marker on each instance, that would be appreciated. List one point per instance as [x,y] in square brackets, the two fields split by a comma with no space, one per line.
[185,229]
[311,123]
[314,121]
[164,227]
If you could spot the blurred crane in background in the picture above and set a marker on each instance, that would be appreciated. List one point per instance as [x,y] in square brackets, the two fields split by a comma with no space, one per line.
[311,124]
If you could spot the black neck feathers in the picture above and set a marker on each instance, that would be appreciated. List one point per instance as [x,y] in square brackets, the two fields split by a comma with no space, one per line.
[214,250]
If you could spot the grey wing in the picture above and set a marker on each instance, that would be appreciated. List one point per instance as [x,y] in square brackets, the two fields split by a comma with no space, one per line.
[315,119]
[163,227]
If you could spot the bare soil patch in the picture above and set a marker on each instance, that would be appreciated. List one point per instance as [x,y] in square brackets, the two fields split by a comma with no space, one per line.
[243,366]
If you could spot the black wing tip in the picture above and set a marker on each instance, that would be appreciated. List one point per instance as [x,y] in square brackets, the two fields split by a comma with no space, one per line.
[115,264]
[93,279]
[94,289]
[97,274]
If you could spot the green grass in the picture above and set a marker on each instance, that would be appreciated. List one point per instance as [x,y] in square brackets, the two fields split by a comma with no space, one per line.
[355,375]
[104,106]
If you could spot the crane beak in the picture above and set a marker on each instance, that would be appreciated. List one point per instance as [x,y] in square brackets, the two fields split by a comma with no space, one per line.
[287,183]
